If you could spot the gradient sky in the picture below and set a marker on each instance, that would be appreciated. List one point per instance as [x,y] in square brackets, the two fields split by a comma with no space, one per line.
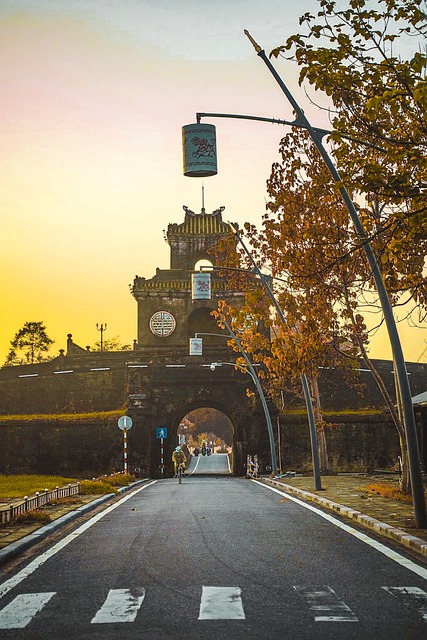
[93,97]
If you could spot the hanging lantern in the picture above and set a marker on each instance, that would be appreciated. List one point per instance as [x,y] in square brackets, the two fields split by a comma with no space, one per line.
[201,286]
[196,346]
[199,150]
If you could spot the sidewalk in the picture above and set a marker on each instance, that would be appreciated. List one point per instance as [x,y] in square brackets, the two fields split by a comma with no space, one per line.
[344,495]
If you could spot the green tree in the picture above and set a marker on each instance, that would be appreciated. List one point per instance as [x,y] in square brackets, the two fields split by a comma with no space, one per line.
[363,59]
[360,57]
[30,344]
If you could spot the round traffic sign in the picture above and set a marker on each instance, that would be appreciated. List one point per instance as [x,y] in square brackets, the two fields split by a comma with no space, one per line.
[124,422]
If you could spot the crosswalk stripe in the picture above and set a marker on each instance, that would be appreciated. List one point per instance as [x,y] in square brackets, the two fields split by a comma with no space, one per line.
[221,603]
[217,603]
[18,613]
[325,605]
[412,597]
[121,605]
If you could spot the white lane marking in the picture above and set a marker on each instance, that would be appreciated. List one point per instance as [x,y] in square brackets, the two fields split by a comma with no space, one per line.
[221,603]
[121,605]
[325,605]
[392,555]
[18,613]
[40,560]
[197,464]
[412,597]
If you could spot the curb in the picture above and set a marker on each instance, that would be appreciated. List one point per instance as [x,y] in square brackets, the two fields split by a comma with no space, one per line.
[15,548]
[402,537]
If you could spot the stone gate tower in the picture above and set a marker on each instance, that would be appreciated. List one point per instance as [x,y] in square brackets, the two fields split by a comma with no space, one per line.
[165,382]
[167,316]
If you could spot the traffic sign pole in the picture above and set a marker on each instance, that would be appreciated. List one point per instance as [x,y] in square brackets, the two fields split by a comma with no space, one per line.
[125,423]
[162,466]
[162,433]
[125,450]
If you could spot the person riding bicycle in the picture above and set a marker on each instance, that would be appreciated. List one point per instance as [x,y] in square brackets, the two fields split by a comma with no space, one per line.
[178,458]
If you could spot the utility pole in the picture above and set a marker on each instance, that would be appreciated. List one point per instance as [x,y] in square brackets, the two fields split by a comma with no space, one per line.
[101,328]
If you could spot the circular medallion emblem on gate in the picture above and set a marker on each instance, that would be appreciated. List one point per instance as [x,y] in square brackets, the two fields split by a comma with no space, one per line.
[162,323]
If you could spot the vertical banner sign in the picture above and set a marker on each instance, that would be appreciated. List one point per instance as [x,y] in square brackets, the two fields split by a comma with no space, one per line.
[196,346]
[199,150]
[125,423]
[201,286]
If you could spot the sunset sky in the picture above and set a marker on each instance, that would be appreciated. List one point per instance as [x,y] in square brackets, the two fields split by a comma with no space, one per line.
[93,97]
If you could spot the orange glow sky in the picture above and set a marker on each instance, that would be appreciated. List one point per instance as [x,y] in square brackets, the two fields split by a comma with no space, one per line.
[93,97]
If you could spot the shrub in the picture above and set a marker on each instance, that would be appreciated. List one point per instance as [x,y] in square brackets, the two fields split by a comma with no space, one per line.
[97,487]
[119,479]
[69,500]
[37,516]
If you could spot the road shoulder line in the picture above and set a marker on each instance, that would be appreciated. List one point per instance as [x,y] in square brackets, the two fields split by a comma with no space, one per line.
[406,539]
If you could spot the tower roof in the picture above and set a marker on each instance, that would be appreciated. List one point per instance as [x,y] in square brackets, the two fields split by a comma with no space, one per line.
[200,224]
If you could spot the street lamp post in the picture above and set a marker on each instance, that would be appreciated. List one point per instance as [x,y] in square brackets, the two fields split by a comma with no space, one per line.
[403,386]
[399,361]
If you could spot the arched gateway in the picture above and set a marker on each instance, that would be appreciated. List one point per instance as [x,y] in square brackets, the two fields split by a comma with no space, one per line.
[165,382]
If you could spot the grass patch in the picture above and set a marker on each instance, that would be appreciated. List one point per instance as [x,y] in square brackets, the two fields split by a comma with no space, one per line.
[27,485]
[366,411]
[38,516]
[386,491]
[62,417]
[12,487]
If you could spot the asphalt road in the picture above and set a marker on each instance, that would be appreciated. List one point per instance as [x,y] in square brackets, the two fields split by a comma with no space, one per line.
[215,464]
[214,558]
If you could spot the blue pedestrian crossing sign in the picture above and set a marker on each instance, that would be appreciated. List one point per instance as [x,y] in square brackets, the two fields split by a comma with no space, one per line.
[161,432]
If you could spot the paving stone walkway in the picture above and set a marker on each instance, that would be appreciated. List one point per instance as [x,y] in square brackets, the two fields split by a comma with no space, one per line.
[348,491]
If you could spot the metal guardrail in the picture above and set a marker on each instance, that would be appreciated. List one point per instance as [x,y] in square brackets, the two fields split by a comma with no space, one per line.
[41,498]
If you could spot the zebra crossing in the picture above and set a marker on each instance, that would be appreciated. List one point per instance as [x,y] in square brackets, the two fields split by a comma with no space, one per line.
[216,603]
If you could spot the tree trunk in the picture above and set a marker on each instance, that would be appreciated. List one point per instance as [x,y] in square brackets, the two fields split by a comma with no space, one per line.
[405,482]
[320,425]
[405,476]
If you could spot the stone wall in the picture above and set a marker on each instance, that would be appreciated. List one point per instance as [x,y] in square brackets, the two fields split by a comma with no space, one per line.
[78,449]
[94,445]
[364,444]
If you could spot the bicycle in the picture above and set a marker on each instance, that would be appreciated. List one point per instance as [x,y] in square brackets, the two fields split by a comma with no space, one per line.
[180,472]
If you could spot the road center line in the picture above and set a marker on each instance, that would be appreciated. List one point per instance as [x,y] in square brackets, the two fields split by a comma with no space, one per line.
[393,555]
[40,560]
